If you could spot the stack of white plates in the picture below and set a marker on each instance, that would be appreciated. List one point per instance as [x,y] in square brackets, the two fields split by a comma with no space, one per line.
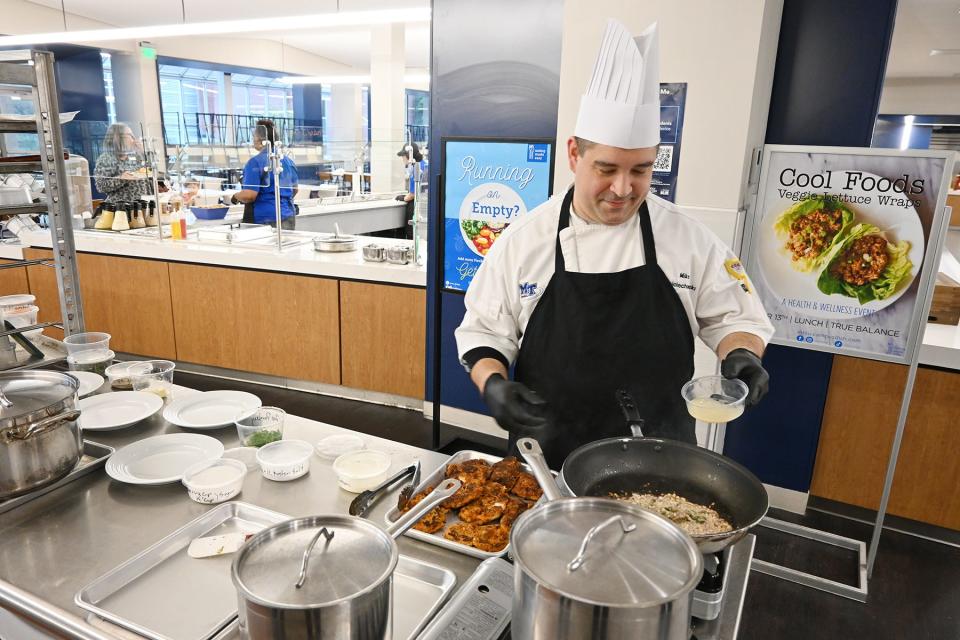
[161,459]
[211,409]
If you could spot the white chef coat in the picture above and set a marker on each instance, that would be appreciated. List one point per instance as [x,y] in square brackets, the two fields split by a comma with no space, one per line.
[716,294]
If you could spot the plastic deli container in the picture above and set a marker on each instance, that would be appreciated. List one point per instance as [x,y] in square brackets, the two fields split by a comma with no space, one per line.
[285,460]
[361,470]
[332,447]
[89,341]
[214,481]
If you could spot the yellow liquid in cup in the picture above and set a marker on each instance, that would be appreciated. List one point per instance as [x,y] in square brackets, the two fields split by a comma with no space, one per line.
[713,410]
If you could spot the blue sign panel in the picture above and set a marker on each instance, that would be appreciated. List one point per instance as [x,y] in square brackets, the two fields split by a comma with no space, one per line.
[673,97]
[489,185]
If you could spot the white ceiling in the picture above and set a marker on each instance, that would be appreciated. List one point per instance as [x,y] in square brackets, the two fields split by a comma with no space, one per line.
[347,46]
[923,25]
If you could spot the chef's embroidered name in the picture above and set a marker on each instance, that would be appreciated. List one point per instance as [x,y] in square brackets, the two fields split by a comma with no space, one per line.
[474,173]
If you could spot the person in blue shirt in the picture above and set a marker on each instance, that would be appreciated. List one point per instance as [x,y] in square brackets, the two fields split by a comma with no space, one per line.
[258,193]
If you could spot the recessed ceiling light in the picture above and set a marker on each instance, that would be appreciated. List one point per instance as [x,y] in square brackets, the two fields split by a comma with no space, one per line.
[945,52]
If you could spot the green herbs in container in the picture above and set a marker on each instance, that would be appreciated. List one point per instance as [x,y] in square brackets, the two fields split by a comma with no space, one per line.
[263,426]
[261,438]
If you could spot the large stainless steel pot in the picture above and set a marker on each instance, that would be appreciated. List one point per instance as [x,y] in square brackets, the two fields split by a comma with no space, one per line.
[341,591]
[39,436]
[598,568]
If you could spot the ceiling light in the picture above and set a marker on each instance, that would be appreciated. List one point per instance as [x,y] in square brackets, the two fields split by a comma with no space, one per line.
[285,23]
[945,52]
[410,77]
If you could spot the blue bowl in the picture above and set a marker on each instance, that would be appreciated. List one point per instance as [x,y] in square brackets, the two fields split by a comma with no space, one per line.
[210,213]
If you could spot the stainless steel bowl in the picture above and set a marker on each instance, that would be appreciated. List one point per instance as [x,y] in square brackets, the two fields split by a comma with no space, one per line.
[335,244]
[374,253]
[399,255]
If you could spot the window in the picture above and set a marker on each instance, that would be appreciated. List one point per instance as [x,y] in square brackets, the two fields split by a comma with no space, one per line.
[192,104]
[418,116]
[261,96]
[108,87]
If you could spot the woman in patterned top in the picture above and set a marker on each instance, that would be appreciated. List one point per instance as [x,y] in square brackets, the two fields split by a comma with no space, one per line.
[116,172]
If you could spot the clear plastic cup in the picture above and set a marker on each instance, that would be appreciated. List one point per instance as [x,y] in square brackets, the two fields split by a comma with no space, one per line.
[90,341]
[715,398]
[154,376]
[119,375]
[95,361]
[263,426]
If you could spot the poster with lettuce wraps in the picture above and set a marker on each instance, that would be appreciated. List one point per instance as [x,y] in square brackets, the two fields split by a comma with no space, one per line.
[844,241]
[488,185]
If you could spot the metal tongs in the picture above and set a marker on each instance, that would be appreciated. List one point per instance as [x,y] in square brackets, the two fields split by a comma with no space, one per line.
[362,503]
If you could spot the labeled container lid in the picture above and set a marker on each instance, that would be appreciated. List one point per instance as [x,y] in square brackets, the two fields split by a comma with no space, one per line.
[654,563]
[33,392]
[357,558]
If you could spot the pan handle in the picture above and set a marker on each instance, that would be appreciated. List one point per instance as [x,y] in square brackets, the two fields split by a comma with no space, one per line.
[577,562]
[533,454]
[630,413]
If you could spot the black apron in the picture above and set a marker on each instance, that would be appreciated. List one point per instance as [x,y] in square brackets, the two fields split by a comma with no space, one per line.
[594,333]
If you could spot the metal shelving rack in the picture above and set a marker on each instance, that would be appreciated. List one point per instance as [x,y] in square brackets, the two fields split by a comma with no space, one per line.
[35,69]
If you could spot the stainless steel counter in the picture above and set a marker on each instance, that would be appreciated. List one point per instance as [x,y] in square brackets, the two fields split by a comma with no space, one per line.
[53,546]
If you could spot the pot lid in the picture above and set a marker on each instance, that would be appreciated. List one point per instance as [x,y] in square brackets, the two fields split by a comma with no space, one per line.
[32,391]
[636,559]
[358,557]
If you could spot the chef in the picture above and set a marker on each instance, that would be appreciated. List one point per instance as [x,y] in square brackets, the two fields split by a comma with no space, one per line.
[604,286]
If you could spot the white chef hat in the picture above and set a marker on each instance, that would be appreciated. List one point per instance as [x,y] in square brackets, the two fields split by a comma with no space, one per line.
[621,107]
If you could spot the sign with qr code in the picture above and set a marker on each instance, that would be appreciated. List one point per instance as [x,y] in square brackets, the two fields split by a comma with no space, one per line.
[673,96]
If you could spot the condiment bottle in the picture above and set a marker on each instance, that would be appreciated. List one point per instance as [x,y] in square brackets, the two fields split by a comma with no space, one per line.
[105,221]
[165,213]
[120,220]
[150,215]
[178,225]
[136,216]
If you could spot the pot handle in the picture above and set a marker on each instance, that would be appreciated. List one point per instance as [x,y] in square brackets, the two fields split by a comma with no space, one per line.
[530,449]
[326,533]
[45,424]
[577,562]
[442,491]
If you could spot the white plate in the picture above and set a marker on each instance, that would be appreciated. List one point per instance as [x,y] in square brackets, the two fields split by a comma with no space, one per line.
[786,282]
[117,410]
[211,409]
[89,381]
[161,459]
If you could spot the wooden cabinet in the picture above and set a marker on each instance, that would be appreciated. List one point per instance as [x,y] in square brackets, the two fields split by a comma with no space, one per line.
[128,298]
[859,422]
[43,284]
[383,332]
[13,281]
[277,324]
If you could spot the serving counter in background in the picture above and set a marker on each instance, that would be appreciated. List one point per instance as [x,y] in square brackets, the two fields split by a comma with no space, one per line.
[325,318]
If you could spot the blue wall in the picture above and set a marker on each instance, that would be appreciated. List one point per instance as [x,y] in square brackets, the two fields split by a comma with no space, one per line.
[826,91]
[498,82]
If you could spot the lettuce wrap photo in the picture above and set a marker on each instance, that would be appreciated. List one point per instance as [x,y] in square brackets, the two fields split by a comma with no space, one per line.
[866,266]
[813,227]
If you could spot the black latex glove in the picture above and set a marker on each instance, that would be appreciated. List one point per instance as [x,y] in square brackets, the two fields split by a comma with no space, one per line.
[401,198]
[513,404]
[745,365]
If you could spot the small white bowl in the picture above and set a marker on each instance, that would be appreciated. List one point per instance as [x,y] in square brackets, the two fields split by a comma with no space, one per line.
[214,481]
[284,459]
[358,471]
[332,447]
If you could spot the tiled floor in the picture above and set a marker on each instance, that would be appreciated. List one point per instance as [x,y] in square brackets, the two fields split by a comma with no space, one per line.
[914,593]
